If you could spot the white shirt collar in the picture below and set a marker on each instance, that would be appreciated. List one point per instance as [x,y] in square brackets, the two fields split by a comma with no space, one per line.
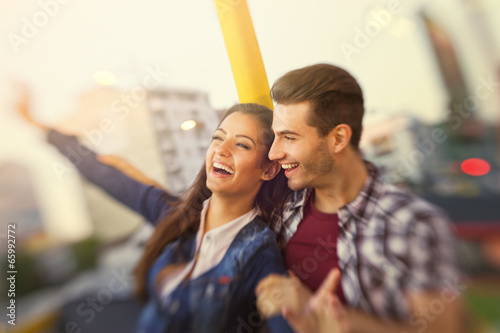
[221,237]
[210,248]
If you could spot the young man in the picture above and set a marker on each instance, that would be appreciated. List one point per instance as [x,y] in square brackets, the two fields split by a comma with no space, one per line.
[394,250]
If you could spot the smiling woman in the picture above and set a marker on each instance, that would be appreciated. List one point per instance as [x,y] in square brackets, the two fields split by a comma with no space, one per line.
[191,261]
[212,246]
[236,160]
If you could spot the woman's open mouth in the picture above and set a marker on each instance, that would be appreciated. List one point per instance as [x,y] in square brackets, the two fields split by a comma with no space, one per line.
[221,170]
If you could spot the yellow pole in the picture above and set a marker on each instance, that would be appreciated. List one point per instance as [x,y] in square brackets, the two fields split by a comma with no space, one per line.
[243,50]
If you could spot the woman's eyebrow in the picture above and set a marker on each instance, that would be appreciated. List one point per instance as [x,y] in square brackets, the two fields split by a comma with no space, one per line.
[244,136]
[238,135]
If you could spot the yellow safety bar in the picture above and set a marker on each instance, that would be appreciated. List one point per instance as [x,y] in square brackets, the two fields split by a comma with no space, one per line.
[243,50]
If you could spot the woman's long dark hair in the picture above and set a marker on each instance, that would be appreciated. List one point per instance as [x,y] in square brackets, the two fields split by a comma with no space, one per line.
[184,216]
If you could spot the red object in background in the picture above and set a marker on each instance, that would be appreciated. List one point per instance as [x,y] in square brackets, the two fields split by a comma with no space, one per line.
[475,167]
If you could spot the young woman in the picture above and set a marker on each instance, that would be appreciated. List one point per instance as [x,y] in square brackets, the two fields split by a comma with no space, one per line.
[212,246]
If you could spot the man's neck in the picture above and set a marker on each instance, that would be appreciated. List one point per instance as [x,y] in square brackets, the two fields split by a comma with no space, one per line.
[343,186]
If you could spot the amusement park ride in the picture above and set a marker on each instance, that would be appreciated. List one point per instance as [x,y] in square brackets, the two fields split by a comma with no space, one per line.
[253,86]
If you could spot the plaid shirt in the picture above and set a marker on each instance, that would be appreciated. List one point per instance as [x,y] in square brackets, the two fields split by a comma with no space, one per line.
[390,243]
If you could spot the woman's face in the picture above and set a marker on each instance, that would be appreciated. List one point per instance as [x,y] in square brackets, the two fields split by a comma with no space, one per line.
[235,161]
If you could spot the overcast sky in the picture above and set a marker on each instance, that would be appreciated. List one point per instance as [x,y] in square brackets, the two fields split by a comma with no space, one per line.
[183,38]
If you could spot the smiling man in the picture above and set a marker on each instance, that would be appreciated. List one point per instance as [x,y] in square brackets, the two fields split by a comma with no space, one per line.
[394,250]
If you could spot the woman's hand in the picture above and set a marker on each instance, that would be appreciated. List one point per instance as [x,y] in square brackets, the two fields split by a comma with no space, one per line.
[23,108]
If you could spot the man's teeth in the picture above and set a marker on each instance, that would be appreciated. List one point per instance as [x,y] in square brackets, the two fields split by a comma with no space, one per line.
[223,167]
[289,166]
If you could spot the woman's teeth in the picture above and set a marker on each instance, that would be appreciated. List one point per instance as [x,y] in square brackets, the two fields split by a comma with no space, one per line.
[223,167]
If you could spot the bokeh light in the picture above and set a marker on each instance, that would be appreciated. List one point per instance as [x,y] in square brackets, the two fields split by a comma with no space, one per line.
[475,167]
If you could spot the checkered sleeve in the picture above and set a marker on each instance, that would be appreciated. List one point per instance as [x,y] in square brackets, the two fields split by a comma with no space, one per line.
[432,256]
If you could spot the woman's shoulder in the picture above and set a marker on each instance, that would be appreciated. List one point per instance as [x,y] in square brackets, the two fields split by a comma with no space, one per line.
[255,237]
[257,242]
[257,229]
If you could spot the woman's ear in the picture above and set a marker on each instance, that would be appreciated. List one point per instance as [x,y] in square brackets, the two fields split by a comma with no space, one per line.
[270,170]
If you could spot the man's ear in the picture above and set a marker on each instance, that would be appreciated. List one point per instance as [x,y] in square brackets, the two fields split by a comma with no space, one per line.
[339,137]
[270,170]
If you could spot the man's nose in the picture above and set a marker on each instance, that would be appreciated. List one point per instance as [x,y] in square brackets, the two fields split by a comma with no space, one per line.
[276,153]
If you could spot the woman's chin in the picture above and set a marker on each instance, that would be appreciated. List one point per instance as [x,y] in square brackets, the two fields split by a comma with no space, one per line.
[217,185]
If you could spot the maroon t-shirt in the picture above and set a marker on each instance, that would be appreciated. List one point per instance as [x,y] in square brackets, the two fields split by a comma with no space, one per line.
[312,250]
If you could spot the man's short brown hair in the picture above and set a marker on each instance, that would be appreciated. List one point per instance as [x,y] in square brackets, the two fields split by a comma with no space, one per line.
[334,95]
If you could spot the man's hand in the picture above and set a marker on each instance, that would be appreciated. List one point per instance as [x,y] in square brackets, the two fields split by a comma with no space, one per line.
[276,291]
[128,169]
[323,312]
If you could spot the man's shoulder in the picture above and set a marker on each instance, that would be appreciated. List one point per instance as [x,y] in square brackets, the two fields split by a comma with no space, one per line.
[401,206]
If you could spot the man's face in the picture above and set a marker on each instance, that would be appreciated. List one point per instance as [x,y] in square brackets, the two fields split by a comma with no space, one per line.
[299,149]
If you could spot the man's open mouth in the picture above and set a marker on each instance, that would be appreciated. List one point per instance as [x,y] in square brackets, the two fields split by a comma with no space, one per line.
[289,167]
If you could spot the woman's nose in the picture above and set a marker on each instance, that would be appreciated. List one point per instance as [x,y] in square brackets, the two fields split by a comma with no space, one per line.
[222,149]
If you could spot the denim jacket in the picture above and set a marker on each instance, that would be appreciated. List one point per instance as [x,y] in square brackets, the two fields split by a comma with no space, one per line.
[223,298]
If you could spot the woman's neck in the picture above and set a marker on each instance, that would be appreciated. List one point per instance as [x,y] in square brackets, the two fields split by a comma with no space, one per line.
[222,209]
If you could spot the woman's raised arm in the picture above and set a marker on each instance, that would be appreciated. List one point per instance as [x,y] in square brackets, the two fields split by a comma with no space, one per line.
[114,175]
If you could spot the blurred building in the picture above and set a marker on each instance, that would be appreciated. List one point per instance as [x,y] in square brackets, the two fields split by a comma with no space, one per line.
[402,148]
[44,208]
[184,122]
[116,122]
[470,161]
[18,202]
